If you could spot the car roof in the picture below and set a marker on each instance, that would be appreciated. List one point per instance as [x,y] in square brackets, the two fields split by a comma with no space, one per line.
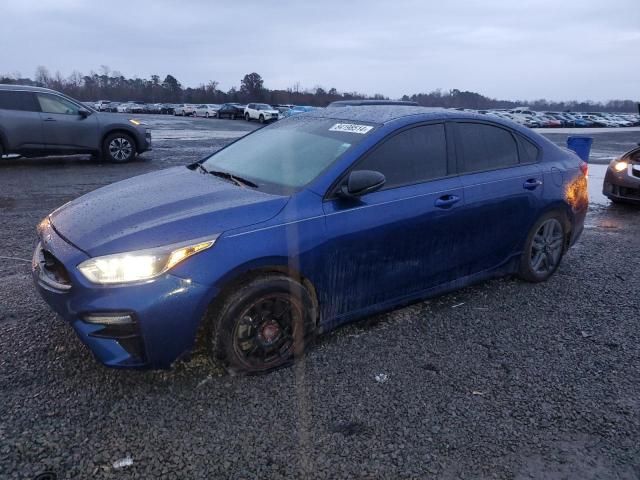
[387,113]
[28,88]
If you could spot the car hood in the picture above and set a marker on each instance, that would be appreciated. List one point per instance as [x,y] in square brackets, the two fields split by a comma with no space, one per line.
[160,208]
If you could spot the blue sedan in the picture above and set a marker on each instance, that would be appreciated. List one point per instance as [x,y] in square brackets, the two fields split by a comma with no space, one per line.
[301,226]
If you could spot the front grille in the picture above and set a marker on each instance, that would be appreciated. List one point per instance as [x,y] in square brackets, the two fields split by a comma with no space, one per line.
[51,273]
[626,192]
[54,269]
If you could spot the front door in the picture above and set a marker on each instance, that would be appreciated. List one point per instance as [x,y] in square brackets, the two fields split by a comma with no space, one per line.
[400,240]
[63,127]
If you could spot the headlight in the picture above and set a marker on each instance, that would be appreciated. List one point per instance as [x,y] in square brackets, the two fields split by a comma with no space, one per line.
[620,166]
[139,265]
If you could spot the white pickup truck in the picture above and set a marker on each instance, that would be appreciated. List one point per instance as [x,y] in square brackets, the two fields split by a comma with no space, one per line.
[261,112]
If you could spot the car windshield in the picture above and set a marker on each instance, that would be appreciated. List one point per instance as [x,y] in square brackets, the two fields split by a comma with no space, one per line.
[264,106]
[290,154]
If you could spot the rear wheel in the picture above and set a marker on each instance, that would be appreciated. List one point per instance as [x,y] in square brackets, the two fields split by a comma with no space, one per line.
[544,248]
[262,326]
[1,150]
[206,115]
[118,148]
[233,116]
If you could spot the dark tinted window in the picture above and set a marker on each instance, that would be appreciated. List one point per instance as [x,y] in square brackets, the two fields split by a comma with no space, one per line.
[24,101]
[528,151]
[412,156]
[484,147]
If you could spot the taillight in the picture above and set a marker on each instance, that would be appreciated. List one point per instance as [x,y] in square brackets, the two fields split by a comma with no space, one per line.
[584,167]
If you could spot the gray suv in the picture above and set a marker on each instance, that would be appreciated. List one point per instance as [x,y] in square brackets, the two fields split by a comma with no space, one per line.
[37,121]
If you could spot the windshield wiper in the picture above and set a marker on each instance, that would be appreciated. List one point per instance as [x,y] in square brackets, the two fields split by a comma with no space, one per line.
[234,178]
[204,170]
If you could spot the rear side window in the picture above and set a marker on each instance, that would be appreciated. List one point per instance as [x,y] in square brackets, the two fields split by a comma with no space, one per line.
[484,147]
[528,151]
[14,100]
[412,156]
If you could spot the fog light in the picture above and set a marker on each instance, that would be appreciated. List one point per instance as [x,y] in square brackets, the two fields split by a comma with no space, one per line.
[109,318]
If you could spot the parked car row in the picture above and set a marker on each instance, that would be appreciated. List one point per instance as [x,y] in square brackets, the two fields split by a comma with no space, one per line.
[534,119]
[261,112]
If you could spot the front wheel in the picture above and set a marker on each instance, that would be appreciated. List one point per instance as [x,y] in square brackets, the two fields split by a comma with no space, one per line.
[233,116]
[544,249]
[261,119]
[118,148]
[247,117]
[262,326]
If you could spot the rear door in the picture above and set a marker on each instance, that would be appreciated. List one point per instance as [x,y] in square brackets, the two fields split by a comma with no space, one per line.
[20,121]
[401,239]
[63,127]
[502,189]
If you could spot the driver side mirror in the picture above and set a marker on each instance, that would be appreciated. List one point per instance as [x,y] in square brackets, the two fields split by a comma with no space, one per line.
[84,113]
[361,182]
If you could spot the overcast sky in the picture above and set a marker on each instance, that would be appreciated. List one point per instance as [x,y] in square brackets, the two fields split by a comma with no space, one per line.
[508,49]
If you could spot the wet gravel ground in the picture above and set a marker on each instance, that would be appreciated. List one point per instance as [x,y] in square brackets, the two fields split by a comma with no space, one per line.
[501,380]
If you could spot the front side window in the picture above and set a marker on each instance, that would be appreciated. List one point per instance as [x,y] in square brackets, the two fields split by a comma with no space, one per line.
[288,154]
[483,147]
[412,156]
[16,100]
[54,104]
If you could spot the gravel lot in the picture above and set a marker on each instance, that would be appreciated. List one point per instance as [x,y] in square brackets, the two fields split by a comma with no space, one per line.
[501,380]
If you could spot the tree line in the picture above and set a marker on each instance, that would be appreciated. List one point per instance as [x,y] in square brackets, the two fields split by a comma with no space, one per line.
[112,85]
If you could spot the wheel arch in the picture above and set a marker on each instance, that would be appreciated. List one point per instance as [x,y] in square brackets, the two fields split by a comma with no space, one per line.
[120,130]
[567,214]
[242,276]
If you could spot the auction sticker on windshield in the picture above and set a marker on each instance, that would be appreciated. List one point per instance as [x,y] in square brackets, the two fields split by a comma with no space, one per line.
[351,128]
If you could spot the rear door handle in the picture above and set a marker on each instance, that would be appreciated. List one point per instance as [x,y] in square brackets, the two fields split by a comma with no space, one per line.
[447,201]
[532,184]
[49,119]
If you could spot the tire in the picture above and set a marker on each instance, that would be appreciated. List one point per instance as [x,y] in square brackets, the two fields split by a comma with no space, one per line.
[118,148]
[206,114]
[263,325]
[232,116]
[261,119]
[247,117]
[544,248]
[1,150]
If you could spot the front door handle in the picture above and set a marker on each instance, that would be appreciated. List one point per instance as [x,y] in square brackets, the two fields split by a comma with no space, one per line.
[532,184]
[447,201]
[49,119]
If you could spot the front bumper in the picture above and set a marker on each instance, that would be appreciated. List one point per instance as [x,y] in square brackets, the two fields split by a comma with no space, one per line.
[144,141]
[624,186]
[165,313]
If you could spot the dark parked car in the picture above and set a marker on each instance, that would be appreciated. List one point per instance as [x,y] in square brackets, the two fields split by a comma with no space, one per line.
[304,225]
[38,121]
[231,110]
[622,180]
[166,108]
